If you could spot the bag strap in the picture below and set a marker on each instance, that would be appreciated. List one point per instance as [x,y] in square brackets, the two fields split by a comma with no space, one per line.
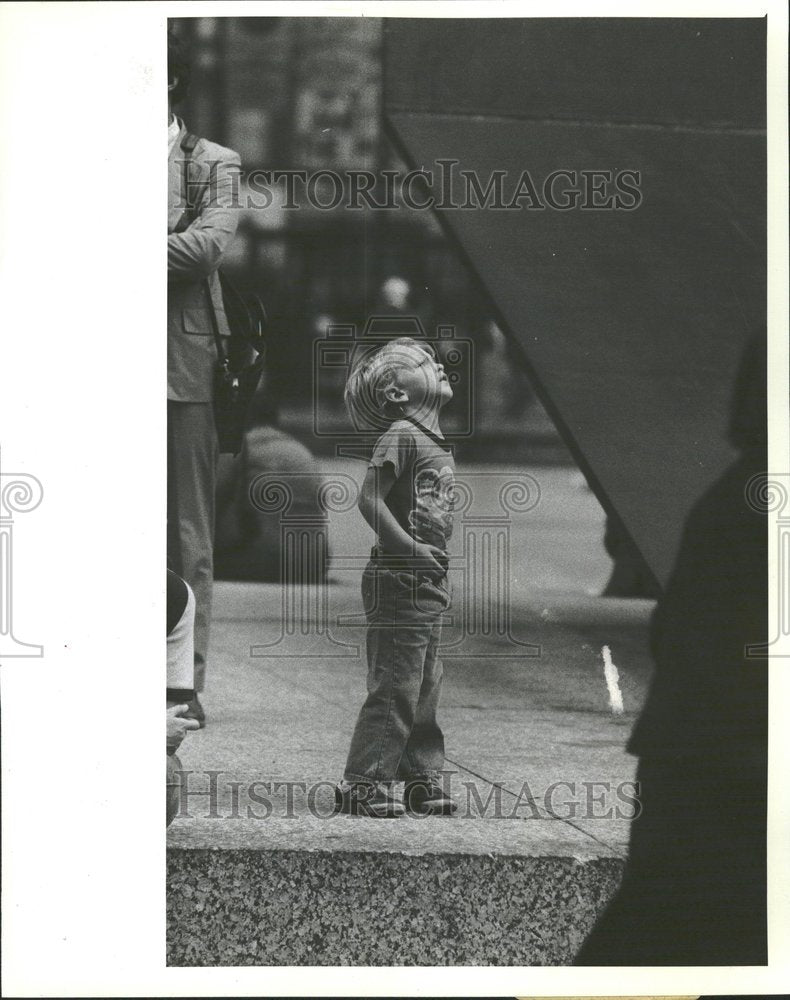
[221,355]
[231,298]
[188,144]
[428,433]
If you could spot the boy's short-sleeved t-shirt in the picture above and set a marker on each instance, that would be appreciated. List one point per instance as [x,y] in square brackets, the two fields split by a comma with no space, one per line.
[421,499]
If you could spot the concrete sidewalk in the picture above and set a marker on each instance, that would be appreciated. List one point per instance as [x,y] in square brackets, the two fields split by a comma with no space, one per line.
[535,860]
[266,874]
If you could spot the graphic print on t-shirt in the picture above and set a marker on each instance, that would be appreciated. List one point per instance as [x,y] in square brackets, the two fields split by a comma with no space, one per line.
[421,498]
[431,518]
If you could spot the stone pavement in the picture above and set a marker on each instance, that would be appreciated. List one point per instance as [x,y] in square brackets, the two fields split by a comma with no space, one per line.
[262,872]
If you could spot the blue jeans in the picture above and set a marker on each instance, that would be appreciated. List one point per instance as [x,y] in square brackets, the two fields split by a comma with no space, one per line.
[397,736]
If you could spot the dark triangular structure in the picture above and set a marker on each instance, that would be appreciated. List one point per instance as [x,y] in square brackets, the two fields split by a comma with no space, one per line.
[631,320]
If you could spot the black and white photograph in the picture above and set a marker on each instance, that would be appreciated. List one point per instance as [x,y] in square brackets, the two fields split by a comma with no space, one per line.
[458,538]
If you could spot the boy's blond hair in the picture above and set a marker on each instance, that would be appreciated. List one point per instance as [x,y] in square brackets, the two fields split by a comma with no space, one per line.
[370,378]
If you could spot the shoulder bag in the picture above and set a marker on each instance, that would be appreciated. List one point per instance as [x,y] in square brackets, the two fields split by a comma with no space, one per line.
[240,361]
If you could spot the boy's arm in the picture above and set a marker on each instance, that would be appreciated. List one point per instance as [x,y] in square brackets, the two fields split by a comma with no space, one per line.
[377,484]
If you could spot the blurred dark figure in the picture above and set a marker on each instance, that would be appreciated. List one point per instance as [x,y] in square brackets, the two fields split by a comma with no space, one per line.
[250,532]
[694,887]
[502,386]
[629,576]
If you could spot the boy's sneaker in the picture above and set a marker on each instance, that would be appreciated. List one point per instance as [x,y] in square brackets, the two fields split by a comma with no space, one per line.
[428,798]
[362,799]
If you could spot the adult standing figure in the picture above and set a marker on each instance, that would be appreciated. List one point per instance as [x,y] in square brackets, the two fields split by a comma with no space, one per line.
[202,218]
[694,888]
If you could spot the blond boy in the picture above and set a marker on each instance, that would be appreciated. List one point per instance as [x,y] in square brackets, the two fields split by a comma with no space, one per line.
[406,498]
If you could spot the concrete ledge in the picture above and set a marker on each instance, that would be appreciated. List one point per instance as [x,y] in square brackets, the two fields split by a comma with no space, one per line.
[409,835]
[291,884]
[291,907]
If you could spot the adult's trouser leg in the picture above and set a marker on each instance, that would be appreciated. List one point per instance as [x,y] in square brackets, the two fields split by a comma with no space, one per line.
[192,454]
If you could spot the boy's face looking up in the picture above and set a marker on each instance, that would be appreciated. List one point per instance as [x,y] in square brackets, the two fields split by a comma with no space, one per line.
[420,386]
